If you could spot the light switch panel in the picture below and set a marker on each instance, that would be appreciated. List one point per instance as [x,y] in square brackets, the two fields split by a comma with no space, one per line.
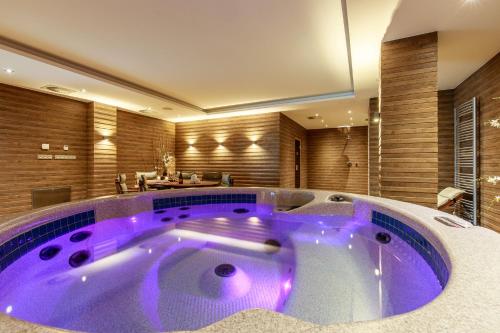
[66,147]
[65,157]
[44,157]
[45,146]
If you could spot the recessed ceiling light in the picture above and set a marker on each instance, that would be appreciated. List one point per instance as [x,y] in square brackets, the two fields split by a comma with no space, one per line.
[322,121]
[8,70]
[350,118]
[316,116]
[349,111]
[83,90]
[326,125]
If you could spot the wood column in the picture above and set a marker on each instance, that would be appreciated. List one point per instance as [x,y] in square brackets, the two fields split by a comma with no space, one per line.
[373,148]
[446,139]
[102,161]
[409,120]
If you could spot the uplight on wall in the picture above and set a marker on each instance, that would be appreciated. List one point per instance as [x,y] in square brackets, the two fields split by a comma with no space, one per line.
[220,139]
[254,139]
[190,142]
[254,146]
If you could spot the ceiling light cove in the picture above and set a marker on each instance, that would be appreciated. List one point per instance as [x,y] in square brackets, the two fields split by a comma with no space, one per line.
[238,80]
[8,71]
[296,61]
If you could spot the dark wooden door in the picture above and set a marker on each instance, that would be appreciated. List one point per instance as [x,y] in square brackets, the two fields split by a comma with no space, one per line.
[297,163]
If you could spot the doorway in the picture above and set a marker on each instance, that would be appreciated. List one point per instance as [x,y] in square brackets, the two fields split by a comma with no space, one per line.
[297,163]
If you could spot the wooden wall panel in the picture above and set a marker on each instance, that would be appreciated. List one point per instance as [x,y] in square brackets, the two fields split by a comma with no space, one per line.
[373,148]
[289,132]
[28,119]
[138,137]
[250,165]
[409,120]
[485,85]
[328,153]
[102,150]
[446,140]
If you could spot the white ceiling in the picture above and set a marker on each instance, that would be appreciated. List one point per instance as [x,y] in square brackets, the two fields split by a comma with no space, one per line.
[210,55]
[368,21]
[469,33]
[33,74]
[239,51]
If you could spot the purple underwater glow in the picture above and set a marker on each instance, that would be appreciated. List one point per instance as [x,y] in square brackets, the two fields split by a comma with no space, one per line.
[156,272]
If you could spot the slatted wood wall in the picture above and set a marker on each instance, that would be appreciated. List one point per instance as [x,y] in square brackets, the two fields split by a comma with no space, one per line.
[28,119]
[250,165]
[373,147]
[102,150]
[409,119]
[446,142]
[138,140]
[328,154]
[289,132]
[485,85]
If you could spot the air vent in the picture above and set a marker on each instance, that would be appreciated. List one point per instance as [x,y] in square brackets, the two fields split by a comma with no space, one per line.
[59,89]
[146,110]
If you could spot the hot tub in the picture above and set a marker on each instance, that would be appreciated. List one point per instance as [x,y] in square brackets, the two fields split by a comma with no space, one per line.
[229,259]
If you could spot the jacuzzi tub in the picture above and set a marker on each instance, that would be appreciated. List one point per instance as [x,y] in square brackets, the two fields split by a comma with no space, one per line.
[228,259]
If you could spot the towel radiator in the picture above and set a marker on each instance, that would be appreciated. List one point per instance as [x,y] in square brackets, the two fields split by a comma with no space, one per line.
[466,158]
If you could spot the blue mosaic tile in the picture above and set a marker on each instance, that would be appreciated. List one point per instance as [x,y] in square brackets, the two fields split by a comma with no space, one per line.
[19,245]
[417,242]
[163,203]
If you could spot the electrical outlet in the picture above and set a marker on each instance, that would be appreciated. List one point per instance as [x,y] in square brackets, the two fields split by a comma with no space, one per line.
[44,157]
[45,146]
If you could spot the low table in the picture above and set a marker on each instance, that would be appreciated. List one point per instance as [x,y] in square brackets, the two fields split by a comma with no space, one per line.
[165,184]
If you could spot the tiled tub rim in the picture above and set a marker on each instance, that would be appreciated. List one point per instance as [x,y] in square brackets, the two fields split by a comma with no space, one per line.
[417,241]
[428,229]
[16,246]
[321,196]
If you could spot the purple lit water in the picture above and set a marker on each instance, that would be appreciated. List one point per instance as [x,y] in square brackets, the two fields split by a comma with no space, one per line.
[151,275]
